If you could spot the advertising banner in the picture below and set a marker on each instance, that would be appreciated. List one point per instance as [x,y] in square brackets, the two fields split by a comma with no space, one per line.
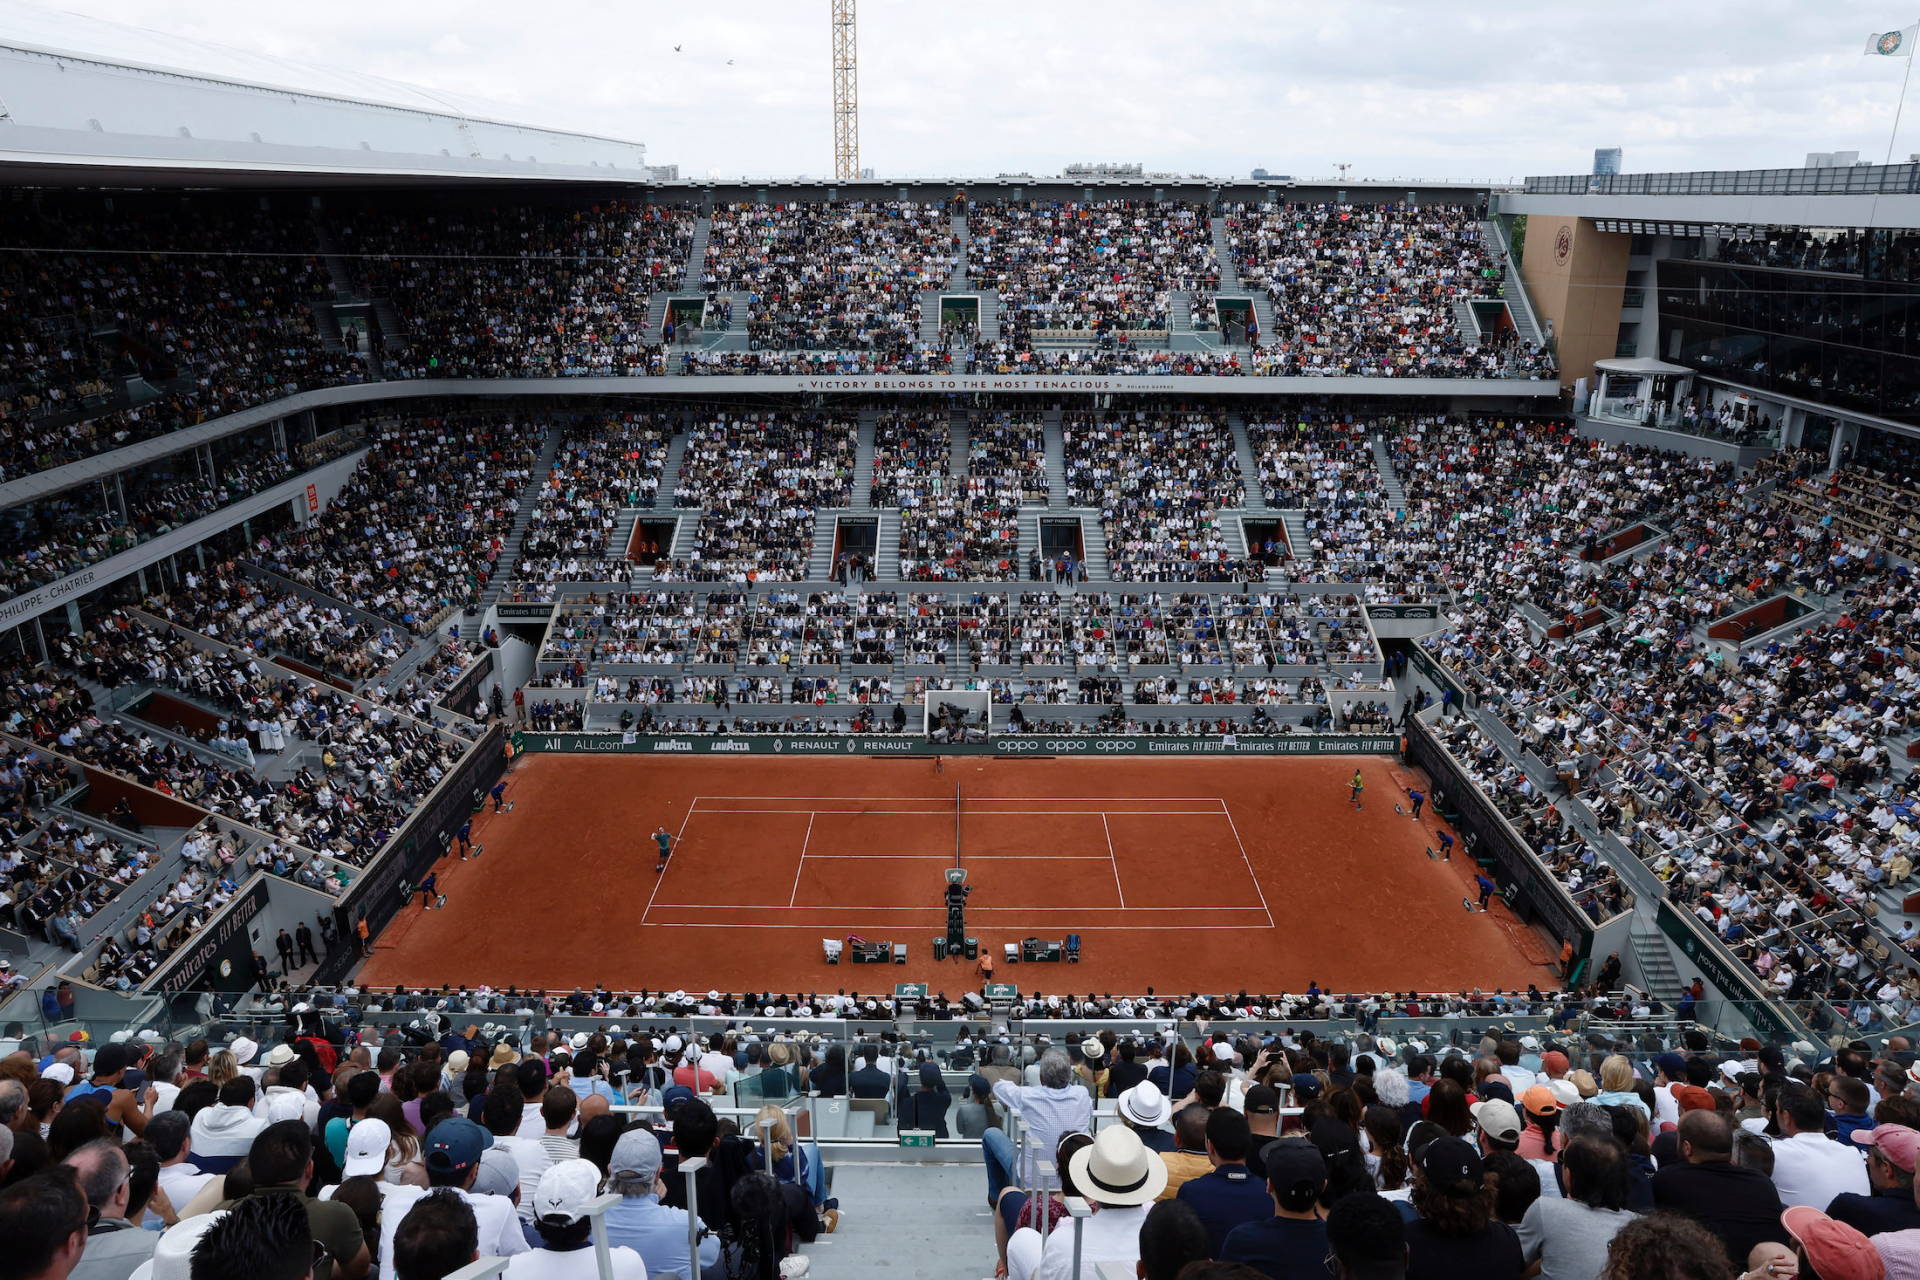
[1033,744]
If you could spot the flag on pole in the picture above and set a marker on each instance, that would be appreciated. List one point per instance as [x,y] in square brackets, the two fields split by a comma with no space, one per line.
[1893,44]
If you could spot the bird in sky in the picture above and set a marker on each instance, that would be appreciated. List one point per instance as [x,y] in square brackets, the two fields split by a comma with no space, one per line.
[676,48]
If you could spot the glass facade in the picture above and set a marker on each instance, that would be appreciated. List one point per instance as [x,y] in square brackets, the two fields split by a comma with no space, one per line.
[1847,340]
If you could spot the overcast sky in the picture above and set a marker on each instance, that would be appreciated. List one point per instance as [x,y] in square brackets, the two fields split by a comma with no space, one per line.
[1434,90]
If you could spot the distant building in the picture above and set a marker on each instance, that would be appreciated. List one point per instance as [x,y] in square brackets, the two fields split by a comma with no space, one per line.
[1832,159]
[1606,160]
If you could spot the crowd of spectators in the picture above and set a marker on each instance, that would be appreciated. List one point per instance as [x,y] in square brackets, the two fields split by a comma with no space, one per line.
[958,527]
[1100,267]
[1369,290]
[757,479]
[208,299]
[62,535]
[1756,782]
[1498,1153]
[603,465]
[417,529]
[517,290]
[836,277]
[1159,479]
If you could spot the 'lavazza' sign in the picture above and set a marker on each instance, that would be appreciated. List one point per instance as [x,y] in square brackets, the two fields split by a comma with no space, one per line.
[1305,744]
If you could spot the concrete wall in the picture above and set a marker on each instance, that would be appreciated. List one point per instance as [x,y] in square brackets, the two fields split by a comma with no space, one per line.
[1576,275]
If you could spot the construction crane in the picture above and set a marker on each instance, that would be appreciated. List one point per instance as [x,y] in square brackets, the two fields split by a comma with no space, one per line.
[846,95]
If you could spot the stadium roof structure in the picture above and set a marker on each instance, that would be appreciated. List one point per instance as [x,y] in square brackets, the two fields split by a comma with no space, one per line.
[94,103]
[1688,202]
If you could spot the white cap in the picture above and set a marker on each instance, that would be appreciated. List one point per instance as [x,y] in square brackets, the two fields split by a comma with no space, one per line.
[59,1072]
[367,1144]
[565,1191]
[120,1037]
[673,1045]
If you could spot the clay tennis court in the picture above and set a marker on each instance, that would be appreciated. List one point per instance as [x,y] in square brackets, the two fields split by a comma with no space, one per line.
[1211,874]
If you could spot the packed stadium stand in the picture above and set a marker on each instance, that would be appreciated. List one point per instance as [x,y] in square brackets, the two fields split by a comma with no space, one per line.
[334,514]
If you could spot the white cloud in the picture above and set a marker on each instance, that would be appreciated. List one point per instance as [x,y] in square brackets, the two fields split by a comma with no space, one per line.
[1432,90]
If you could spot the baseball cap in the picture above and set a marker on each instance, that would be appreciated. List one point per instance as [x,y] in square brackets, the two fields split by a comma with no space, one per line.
[457,1062]
[1836,1250]
[1306,1085]
[1896,1142]
[1672,1065]
[1294,1165]
[1563,1090]
[1262,1099]
[565,1191]
[1554,1062]
[1539,1100]
[367,1144]
[672,1096]
[455,1145]
[1447,1161]
[59,1073]
[1497,1119]
[498,1174]
[1691,1097]
[637,1153]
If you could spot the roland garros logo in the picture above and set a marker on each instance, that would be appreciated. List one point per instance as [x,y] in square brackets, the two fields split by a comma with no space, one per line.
[1889,43]
[1563,244]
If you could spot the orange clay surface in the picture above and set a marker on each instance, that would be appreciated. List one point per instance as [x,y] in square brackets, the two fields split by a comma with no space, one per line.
[1180,875]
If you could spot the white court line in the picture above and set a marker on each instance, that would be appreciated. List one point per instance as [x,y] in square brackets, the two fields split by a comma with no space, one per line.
[1113,861]
[676,848]
[1249,861]
[997,813]
[932,910]
[1077,928]
[794,897]
[972,857]
[895,799]
[878,813]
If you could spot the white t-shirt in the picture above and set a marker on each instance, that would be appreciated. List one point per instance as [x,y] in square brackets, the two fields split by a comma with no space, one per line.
[531,1157]
[575,1264]
[500,1234]
[182,1182]
[1811,1169]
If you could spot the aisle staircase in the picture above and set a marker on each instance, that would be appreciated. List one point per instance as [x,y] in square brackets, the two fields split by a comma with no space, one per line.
[1055,436]
[1389,478]
[960,429]
[670,470]
[863,460]
[826,523]
[957,278]
[1468,322]
[1256,492]
[696,256]
[1512,288]
[470,621]
[886,546]
[930,317]
[1299,542]
[1094,538]
[1231,286]
[1656,967]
